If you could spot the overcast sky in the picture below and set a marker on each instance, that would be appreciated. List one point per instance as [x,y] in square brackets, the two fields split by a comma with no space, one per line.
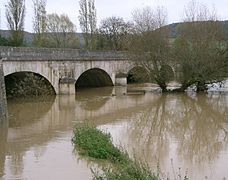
[107,8]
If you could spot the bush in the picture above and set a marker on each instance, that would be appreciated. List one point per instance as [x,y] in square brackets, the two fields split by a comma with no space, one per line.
[4,41]
[94,143]
[27,85]
[131,170]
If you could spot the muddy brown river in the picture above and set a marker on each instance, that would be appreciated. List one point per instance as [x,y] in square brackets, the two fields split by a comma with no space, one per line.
[179,133]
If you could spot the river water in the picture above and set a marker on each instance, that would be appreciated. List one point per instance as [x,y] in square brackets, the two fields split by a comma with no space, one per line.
[179,133]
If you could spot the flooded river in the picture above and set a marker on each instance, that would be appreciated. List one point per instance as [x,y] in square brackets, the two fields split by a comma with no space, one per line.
[180,133]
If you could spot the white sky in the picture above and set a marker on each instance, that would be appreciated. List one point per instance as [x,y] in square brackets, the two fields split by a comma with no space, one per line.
[107,8]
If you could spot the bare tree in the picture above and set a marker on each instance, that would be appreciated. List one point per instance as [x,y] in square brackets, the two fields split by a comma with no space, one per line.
[88,22]
[61,32]
[114,33]
[39,21]
[15,14]
[200,47]
[150,44]
[196,11]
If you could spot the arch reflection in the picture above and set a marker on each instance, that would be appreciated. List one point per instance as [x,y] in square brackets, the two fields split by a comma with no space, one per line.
[93,99]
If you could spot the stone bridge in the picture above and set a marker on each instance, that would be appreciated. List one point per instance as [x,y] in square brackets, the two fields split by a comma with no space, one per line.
[64,68]
[3,106]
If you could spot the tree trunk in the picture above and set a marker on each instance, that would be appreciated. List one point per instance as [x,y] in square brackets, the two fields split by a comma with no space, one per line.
[163,86]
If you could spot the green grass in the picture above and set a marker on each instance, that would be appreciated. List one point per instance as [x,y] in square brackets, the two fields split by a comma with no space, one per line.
[131,170]
[92,142]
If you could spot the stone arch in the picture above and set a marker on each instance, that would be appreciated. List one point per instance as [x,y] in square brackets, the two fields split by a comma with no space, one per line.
[36,67]
[137,74]
[23,74]
[168,72]
[94,77]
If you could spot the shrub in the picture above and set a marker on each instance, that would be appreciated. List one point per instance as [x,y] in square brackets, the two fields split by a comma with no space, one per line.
[94,143]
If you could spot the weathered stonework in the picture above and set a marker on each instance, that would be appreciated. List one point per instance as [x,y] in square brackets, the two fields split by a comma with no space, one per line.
[3,106]
[59,65]
[58,54]
[67,86]
[121,81]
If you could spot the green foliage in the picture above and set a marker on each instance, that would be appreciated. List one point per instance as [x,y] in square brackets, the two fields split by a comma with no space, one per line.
[199,49]
[94,143]
[3,41]
[201,61]
[27,84]
[129,170]
[17,38]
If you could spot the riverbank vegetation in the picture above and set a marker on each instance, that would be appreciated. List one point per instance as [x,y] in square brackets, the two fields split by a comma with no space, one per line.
[197,56]
[94,143]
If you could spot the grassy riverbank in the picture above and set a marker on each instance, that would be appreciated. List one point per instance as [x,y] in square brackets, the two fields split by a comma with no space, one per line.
[92,142]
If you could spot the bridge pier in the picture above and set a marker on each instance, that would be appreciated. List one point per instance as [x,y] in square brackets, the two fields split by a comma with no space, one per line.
[3,104]
[67,86]
[121,79]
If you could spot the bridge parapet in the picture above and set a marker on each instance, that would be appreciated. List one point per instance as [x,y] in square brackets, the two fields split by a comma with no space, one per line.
[55,54]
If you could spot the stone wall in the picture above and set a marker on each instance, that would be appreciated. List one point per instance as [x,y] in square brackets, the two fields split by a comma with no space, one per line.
[3,105]
[56,54]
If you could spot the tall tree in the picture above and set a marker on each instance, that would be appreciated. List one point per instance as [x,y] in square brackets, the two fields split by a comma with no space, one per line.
[150,44]
[200,47]
[15,14]
[39,21]
[88,22]
[61,32]
[114,33]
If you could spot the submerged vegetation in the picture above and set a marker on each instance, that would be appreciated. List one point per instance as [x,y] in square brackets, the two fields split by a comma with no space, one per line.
[92,142]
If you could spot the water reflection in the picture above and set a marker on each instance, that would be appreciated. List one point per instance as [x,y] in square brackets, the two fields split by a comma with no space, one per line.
[3,140]
[191,130]
[27,111]
[93,99]
[202,129]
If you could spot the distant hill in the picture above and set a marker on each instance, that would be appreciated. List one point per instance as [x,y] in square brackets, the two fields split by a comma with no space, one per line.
[28,37]
[173,28]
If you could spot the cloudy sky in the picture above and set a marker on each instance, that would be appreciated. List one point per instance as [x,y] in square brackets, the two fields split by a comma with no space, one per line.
[107,8]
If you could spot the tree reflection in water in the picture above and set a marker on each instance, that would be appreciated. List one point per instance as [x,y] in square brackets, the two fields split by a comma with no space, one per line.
[197,125]
[202,128]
